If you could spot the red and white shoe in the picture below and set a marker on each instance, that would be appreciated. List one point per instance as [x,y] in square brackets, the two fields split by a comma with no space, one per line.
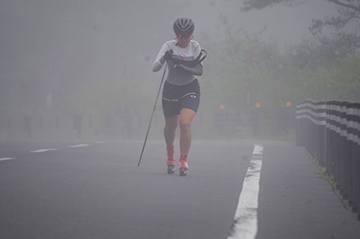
[183,165]
[170,161]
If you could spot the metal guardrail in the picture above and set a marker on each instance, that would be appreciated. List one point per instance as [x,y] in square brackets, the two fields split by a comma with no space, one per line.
[330,131]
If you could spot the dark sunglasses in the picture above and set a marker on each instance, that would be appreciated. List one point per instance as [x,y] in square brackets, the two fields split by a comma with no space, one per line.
[183,35]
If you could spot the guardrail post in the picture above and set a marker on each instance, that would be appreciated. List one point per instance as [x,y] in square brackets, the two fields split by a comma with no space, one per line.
[354,133]
[330,131]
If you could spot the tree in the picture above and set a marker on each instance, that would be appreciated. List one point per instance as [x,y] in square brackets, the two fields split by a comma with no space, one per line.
[342,44]
[260,4]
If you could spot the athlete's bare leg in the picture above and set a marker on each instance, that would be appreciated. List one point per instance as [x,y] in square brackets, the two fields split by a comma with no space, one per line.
[170,129]
[186,117]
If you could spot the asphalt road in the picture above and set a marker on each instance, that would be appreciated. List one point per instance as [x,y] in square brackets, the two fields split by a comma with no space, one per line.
[96,190]
[78,190]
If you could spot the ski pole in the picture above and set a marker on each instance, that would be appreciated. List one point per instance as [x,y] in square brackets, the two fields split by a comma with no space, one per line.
[152,114]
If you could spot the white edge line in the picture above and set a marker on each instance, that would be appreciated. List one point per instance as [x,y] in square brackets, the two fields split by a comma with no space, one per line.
[4,159]
[78,146]
[245,220]
[42,150]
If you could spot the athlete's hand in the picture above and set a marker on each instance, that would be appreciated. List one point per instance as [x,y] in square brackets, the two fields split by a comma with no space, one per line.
[168,55]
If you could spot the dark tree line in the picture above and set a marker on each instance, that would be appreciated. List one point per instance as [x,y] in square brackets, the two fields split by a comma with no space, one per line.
[339,43]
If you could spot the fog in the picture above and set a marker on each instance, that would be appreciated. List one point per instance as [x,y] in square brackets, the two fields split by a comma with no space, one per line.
[82,68]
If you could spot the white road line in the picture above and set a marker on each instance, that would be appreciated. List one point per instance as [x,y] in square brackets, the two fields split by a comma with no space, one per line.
[78,146]
[4,159]
[245,219]
[42,150]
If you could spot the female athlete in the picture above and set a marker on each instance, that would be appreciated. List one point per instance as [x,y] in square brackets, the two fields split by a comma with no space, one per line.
[181,91]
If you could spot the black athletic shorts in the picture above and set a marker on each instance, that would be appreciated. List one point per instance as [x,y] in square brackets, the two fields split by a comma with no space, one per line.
[177,97]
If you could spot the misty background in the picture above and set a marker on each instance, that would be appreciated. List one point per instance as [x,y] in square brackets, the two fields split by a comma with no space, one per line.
[82,68]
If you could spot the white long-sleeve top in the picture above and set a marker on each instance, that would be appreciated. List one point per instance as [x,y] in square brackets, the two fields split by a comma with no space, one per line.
[177,75]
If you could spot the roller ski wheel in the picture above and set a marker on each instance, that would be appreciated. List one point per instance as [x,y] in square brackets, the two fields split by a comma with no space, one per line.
[170,166]
[170,169]
[170,161]
[183,171]
[183,166]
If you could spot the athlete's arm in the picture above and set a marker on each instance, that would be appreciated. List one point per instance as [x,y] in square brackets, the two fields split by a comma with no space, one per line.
[195,67]
[196,70]
[159,61]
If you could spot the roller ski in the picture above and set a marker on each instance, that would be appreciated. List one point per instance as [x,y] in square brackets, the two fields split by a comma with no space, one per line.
[170,167]
[183,166]
[170,162]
